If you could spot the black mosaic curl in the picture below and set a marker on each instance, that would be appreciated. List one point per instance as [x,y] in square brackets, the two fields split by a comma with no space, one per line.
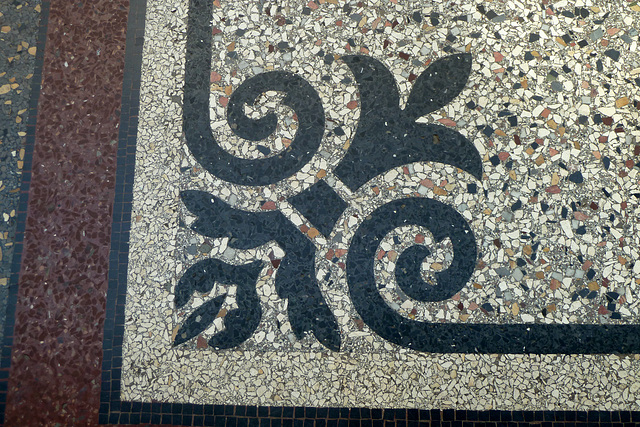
[300,96]
[443,222]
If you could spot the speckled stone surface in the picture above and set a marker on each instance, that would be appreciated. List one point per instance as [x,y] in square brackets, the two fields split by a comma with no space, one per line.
[59,312]
[18,33]
[525,220]
[332,212]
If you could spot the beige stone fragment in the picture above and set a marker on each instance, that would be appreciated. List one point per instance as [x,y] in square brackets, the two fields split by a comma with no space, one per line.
[621,102]
[175,332]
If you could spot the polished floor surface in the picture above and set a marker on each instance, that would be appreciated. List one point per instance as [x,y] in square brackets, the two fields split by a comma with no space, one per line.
[333,212]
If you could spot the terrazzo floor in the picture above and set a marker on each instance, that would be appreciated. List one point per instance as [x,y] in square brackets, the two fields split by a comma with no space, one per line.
[331,212]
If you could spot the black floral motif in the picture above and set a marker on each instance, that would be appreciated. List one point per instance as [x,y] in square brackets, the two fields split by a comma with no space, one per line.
[386,137]
[295,279]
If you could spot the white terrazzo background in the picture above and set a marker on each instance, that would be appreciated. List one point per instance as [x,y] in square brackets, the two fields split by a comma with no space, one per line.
[272,368]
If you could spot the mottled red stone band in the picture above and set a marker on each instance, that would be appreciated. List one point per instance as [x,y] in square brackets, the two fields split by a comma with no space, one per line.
[59,315]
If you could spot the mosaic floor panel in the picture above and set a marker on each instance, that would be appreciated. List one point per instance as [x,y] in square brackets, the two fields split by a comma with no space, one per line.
[385,205]
[330,212]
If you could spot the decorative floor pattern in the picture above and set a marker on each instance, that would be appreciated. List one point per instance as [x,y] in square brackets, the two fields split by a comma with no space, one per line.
[282,261]
[334,212]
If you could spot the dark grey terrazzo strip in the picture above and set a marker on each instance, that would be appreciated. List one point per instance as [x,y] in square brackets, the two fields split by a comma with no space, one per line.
[18,35]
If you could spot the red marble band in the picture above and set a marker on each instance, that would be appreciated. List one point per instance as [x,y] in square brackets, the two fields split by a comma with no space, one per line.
[59,315]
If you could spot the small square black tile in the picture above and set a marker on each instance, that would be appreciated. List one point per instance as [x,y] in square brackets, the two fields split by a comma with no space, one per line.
[448,415]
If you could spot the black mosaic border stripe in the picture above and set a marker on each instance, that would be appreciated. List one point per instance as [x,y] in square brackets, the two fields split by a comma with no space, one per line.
[115,411]
[110,404]
[21,209]
[178,414]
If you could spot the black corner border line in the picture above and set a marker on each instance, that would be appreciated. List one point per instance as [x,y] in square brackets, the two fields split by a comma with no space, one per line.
[23,202]
[110,405]
[115,411]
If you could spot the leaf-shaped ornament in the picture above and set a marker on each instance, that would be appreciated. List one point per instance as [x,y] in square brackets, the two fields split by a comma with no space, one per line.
[239,323]
[217,218]
[199,320]
[438,85]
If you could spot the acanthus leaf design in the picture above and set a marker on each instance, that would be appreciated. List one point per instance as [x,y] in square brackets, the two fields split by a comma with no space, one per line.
[239,323]
[388,136]
[199,320]
[438,85]
[215,218]
[295,279]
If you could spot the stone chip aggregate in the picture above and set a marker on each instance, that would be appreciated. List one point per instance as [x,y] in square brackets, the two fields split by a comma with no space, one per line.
[551,105]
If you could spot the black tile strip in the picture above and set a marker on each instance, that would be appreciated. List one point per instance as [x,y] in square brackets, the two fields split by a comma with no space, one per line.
[112,410]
